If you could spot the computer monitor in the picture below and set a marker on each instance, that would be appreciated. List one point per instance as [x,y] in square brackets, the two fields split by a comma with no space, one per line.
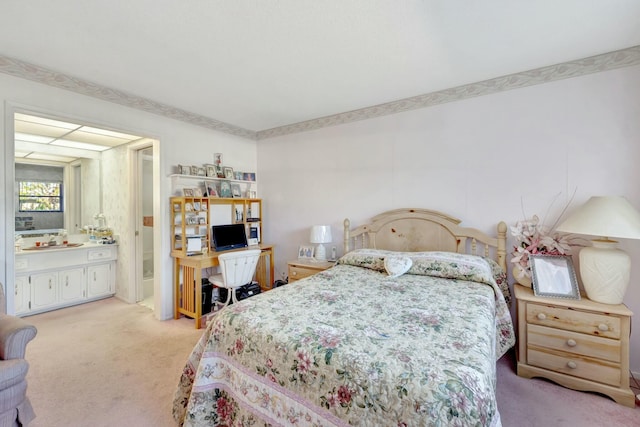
[231,236]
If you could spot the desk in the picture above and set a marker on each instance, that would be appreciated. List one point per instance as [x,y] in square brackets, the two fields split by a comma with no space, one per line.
[188,300]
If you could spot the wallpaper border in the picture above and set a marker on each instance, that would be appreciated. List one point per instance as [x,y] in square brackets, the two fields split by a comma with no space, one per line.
[594,64]
[25,70]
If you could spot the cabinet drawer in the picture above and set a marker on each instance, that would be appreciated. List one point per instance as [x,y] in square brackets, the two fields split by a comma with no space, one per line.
[98,254]
[574,320]
[573,342]
[577,366]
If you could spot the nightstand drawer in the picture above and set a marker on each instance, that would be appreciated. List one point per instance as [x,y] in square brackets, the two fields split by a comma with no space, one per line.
[297,273]
[573,320]
[573,342]
[577,366]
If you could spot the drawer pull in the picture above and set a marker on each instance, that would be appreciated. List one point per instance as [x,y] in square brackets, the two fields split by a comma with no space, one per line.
[295,273]
[603,327]
[571,343]
[541,316]
[572,365]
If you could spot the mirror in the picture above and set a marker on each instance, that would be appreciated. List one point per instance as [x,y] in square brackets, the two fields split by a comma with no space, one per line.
[52,150]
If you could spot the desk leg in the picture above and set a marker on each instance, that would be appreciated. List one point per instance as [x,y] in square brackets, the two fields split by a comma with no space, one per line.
[198,302]
[176,291]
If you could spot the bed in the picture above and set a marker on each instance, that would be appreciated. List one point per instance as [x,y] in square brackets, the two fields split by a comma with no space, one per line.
[405,330]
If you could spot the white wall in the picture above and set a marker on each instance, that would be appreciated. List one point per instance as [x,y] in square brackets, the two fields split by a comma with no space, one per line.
[480,160]
[180,143]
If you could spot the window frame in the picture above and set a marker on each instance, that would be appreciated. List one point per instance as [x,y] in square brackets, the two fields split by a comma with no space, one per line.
[21,197]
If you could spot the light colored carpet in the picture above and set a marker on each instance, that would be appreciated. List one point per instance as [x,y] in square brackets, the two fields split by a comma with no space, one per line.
[109,363]
[106,363]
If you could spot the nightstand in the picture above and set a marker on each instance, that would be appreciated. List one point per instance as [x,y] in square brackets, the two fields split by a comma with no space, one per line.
[580,344]
[302,268]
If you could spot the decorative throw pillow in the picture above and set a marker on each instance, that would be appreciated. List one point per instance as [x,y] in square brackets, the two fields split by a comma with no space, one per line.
[396,266]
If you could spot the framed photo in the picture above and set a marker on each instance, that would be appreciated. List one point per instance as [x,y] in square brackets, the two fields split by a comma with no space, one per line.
[219,171]
[217,159]
[228,172]
[554,276]
[194,170]
[202,171]
[184,170]
[188,192]
[197,192]
[249,176]
[305,252]
[225,189]
[211,171]
[237,175]
[212,189]
[235,190]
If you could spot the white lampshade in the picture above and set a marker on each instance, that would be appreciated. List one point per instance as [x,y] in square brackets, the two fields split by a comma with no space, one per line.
[320,234]
[605,269]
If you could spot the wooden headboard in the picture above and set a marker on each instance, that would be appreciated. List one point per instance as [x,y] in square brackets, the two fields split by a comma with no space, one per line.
[413,230]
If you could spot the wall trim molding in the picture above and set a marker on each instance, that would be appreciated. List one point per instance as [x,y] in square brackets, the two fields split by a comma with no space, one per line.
[594,64]
[25,70]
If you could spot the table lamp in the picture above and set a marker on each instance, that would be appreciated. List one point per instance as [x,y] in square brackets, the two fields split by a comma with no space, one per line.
[604,268]
[320,234]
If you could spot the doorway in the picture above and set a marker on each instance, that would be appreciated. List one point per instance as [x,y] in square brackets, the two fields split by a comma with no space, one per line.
[144,227]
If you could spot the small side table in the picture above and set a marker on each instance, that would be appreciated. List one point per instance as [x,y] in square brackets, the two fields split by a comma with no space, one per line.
[301,268]
[580,344]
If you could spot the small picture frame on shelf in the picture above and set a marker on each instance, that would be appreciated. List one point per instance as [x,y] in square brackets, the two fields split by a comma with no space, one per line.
[197,192]
[217,159]
[184,170]
[225,189]
[237,175]
[202,171]
[554,276]
[187,192]
[252,194]
[194,170]
[212,189]
[211,171]
[305,252]
[249,176]
[235,190]
[228,172]
[219,171]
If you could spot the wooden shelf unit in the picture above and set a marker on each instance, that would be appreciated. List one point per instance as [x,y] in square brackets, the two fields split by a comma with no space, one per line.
[193,217]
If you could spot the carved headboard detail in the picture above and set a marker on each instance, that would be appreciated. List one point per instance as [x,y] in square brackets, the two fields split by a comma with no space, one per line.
[412,230]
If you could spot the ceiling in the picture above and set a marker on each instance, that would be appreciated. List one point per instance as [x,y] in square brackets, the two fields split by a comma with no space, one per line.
[259,64]
[39,138]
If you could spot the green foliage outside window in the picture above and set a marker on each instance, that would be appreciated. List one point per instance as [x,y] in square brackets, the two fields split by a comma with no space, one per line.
[40,196]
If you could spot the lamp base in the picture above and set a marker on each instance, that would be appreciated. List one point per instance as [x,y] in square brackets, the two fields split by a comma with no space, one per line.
[321,253]
[605,271]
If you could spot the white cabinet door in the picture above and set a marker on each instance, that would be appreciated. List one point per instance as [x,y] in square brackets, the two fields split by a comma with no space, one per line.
[44,287]
[22,295]
[98,280]
[71,285]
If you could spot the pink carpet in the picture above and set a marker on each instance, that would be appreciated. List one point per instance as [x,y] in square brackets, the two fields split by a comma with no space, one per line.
[538,402]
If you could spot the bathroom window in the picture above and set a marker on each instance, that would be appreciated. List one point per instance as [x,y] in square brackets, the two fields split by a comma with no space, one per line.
[40,196]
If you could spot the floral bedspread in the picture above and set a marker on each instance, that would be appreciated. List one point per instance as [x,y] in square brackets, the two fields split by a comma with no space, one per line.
[353,346]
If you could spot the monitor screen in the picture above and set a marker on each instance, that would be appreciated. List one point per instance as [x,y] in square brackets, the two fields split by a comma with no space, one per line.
[231,236]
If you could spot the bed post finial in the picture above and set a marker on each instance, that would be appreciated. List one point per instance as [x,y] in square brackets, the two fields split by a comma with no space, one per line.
[345,243]
[502,245]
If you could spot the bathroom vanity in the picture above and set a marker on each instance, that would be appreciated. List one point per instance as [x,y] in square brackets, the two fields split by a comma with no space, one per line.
[48,278]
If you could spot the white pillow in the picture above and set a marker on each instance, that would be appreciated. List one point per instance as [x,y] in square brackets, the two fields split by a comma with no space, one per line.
[396,266]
